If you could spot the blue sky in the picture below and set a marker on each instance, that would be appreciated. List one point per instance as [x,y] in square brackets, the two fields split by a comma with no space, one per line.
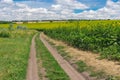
[59,9]
[93,4]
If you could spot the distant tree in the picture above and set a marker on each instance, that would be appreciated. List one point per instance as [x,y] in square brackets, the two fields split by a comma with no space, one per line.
[51,21]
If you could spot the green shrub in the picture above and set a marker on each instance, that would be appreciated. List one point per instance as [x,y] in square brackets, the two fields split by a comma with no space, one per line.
[4,34]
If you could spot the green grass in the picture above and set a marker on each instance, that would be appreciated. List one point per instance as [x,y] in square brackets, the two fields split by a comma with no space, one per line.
[53,70]
[14,53]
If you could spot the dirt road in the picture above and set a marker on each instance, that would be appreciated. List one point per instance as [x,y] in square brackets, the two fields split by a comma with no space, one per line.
[32,71]
[72,73]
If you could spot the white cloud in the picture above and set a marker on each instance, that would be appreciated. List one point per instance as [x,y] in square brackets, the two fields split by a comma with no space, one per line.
[65,8]
[56,7]
[62,9]
[7,1]
[71,4]
[21,5]
[20,11]
[110,11]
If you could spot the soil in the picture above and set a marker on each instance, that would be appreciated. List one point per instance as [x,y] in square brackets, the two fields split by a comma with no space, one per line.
[32,71]
[71,72]
[91,59]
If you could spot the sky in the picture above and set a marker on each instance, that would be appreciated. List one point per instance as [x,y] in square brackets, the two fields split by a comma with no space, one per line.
[59,9]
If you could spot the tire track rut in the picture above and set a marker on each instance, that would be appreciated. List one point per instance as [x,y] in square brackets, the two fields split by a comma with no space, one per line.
[32,71]
[72,73]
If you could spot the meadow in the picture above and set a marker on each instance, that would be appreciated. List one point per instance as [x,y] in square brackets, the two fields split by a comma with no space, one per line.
[98,36]
[14,53]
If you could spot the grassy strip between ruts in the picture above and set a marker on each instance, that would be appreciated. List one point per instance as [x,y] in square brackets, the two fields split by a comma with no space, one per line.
[52,68]
[14,53]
